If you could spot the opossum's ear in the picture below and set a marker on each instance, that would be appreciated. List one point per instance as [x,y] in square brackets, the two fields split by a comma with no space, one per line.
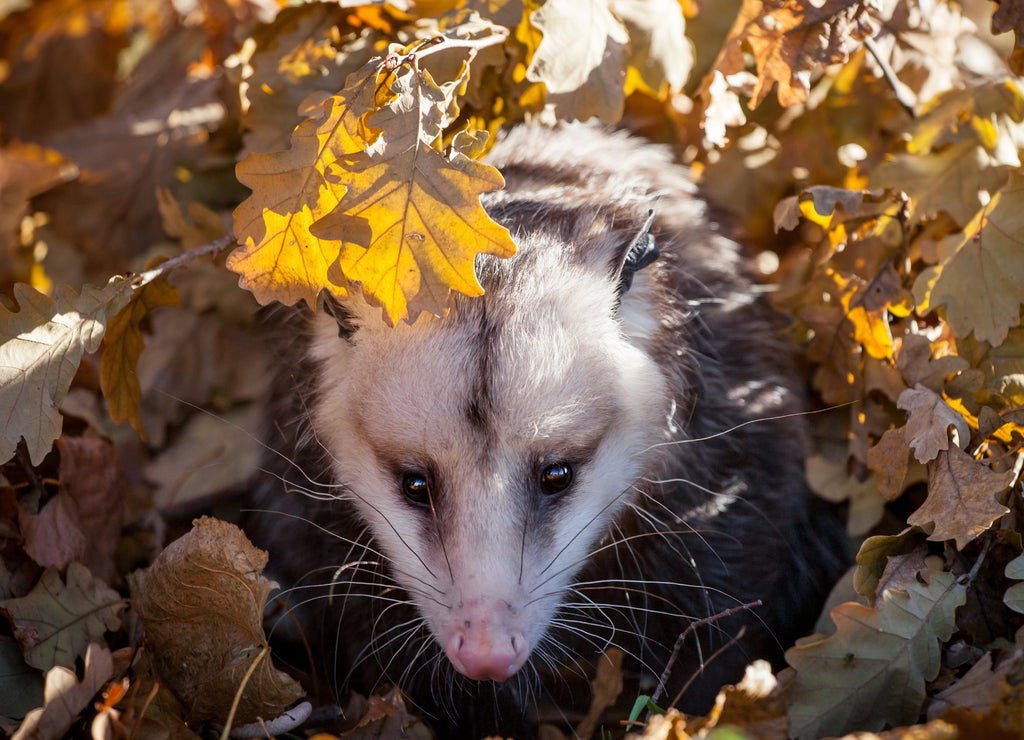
[639,253]
[335,310]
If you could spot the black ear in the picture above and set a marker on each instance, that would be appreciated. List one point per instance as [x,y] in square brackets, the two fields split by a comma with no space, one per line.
[639,253]
[334,309]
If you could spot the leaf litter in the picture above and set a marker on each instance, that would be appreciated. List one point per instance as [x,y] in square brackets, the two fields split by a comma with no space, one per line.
[893,123]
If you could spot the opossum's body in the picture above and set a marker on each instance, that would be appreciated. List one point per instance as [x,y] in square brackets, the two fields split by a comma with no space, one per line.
[589,455]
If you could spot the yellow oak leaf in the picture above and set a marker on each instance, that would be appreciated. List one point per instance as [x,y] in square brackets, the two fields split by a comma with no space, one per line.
[660,53]
[279,259]
[410,223]
[961,501]
[581,59]
[980,275]
[123,345]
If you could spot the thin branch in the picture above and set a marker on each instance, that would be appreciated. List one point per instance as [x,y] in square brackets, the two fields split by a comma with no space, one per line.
[210,249]
[898,90]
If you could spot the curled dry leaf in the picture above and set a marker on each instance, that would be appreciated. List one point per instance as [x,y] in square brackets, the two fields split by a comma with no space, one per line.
[57,621]
[201,605]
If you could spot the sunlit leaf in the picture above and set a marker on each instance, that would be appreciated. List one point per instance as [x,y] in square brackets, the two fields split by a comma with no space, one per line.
[411,222]
[581,59]
[980,275]
[42,344]
[279,259]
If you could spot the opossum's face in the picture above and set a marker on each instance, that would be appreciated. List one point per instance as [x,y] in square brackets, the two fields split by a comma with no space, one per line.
[489,452]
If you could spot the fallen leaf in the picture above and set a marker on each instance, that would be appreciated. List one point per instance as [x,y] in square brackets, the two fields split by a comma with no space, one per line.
[66,697]
[915,362]
[26,170]
[961,501]
[927,429]
[57,622]
[581,59]
[42,344]
[605,689]
[279,258]
[789,40]
[873,670]
[980,275]
[830,480]
[979,690]
[123,345]
[201,605]
[874,556]
[890,459]
[411,221]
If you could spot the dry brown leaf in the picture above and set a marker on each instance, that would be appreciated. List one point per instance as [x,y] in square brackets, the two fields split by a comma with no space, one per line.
[789,40]
[927,429]
[26,170]
[961,497]
[83,521]
[890,458]
[605,689]
[980,689]
[201,605]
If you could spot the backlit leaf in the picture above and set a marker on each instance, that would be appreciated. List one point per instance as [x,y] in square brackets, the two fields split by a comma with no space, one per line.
[1009,16]
[980,275]
[961,497]
[873,670]
[789,40]
[123,346]
[57,621]
[581,59]
[279,259]
[411,222]
[659,51]
[42,344]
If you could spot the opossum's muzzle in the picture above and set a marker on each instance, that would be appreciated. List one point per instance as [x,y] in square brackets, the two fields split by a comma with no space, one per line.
[484,642]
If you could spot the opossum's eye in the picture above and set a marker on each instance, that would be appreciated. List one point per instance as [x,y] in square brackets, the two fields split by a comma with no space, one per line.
[555,478]
[416,488]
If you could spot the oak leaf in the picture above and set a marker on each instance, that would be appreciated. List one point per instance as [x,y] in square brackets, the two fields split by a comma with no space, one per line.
[201,605]
[279,258]
[1014,596]
[961,501]
[23,685]
[831,481]
[980,689]
[410,222]
[42,345]
[890,459]
[950,180]
[929,422]
[57,621]
[26,170]
[874,556]
[582,59]
[873,670]
[980,275]
[789,40]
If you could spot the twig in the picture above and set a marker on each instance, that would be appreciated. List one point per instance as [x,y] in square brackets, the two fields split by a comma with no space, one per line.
[209,249]
[890,77]
[726,646]
[226,733]
[682,636]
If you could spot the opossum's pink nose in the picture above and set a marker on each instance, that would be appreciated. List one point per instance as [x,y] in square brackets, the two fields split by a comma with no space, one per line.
[487,654]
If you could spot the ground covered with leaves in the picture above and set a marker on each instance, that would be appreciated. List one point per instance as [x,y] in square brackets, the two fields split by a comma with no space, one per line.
[155,156]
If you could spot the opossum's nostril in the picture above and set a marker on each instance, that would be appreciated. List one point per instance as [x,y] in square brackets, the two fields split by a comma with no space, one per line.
[482,654]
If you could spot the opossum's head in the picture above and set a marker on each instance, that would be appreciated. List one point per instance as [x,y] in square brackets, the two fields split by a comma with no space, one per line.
[490,451]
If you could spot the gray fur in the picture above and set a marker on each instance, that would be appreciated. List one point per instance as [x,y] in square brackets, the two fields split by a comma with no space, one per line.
[719,514]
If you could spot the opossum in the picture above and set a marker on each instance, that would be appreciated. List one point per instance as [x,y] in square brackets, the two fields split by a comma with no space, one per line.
[605,447]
